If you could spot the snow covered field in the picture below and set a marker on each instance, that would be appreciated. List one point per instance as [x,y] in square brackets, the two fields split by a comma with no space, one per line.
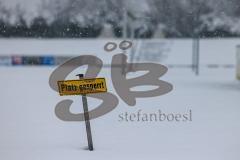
[31,131]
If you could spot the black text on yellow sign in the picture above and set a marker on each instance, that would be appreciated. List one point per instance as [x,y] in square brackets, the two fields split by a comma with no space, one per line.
[83,86]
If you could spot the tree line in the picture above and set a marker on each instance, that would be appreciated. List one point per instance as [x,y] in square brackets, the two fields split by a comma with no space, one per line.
[86,18]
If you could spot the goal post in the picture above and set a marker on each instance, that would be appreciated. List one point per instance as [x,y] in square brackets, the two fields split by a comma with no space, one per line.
[238,62]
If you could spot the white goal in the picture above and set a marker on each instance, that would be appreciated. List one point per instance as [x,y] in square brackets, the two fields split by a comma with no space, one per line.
[151,50]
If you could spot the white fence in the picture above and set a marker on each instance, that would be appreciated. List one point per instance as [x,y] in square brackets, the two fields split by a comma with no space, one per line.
[214,53]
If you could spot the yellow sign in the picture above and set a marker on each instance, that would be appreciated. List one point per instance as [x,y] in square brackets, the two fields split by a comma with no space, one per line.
[82,86]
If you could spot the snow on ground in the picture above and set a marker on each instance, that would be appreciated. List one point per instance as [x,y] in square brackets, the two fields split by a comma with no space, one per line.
[31,131]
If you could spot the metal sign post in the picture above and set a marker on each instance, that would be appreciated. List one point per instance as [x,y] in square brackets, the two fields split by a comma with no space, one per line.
[86,117]
[83,87]
[195,55]
[238,62]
